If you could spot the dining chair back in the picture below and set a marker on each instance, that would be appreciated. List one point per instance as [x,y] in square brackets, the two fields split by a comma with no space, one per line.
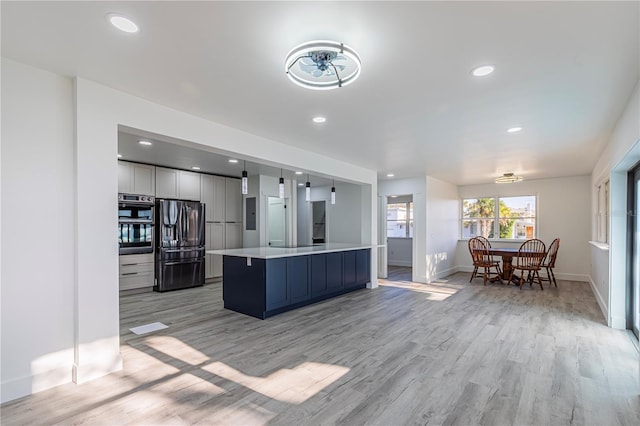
[549,261]
[529,258]
[482,258]
[484,240]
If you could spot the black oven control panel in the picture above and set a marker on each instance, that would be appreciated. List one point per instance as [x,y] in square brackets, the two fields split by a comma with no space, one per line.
[136,199]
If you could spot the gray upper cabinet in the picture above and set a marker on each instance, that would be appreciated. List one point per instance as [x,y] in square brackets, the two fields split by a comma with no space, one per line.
[166,183]
[206,195]
[134,178]
[178,184]
[188,185]
[219,199]
[233,209]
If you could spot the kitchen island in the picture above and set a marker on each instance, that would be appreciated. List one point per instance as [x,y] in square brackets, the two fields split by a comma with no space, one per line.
[265,281]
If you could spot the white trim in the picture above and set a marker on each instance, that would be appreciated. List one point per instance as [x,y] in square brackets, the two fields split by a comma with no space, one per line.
[600,300]
[601,246]
[447,272]
[400,263]
[88,371]
[572,277]
[32,383]
[617,322]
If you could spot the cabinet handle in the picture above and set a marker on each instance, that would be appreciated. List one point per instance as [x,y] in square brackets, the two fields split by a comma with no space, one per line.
[129,264]
[130,273]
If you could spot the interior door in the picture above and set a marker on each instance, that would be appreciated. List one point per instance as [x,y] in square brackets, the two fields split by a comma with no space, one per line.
[277,218]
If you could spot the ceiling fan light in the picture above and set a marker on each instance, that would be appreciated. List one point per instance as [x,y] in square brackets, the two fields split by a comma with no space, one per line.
[509,178]
[311,65]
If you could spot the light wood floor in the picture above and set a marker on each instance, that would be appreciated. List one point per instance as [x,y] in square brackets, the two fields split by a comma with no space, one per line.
[405,353]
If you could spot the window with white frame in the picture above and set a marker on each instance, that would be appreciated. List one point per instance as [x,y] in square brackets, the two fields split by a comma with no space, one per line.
[400,220]
[509,218]
[602,218]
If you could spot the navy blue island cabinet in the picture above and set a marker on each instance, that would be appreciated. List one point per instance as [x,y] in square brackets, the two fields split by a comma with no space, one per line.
[265,287]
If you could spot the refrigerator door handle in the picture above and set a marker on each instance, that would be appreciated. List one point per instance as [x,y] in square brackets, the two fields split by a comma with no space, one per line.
[180,250]
[182,262]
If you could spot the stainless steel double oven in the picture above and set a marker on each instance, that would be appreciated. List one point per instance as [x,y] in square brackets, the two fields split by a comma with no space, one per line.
[135,223]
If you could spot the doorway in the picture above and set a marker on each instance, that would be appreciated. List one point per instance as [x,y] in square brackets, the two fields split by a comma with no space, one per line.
[399,233]
[319,220]
[277,229]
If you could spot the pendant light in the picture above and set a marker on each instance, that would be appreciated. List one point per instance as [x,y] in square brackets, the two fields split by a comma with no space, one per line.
[307,190]
[333,192]
[245,179]
[281,186]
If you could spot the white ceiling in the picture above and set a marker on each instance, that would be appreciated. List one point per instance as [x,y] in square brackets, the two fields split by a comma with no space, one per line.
[564,71]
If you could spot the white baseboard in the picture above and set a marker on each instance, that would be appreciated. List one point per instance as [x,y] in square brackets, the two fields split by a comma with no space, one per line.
[32,383]
[619,323]
[89,371]
[571,277]
[603,306]
[445,273]
[406,263]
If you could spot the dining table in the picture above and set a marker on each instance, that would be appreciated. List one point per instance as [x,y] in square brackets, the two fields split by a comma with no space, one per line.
[507,254]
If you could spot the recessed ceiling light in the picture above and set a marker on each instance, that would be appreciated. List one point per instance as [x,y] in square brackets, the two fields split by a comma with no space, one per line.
[301,184]
[514,129]
[195,168]
[483,70]
[119,155]
[394,196]
[319,119]
[122,23]
[146,143]
[233,160]
[298,173]
[390,175]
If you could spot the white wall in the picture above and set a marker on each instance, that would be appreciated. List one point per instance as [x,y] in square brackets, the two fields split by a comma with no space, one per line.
[399,251]
[92,300]
[37,230]
[608,270]
[442,228]
[563,207]
[344,218]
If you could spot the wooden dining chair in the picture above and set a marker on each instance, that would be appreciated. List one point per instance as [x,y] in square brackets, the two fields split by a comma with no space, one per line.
[483,259]
[484,240]
[549,261]
[529,258]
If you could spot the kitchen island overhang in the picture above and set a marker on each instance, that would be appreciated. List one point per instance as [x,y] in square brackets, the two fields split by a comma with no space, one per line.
[265,281]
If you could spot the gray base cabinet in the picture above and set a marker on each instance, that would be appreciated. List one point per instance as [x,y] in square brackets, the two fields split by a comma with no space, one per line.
[265,287]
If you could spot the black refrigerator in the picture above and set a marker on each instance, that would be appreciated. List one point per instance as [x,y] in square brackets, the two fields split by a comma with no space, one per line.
[180,244]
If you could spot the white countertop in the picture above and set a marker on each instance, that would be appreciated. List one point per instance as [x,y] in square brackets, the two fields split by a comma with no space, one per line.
[275,252]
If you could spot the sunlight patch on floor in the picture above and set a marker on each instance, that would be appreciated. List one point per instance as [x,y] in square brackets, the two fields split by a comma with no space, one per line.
[292,386]
[434,292]
[247,414]
[177,349]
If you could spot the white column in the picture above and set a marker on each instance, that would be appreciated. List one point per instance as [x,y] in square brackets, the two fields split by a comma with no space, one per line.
[97,342]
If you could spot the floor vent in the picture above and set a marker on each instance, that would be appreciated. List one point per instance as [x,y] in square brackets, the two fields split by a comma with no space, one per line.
[148,328]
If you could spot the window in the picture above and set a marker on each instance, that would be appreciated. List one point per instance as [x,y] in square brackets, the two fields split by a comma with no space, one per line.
[513,219]
[400,220]
[602,219]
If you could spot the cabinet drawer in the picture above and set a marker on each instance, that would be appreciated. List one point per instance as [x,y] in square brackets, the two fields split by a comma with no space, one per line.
[139,268]
[136,280]
[133,259]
